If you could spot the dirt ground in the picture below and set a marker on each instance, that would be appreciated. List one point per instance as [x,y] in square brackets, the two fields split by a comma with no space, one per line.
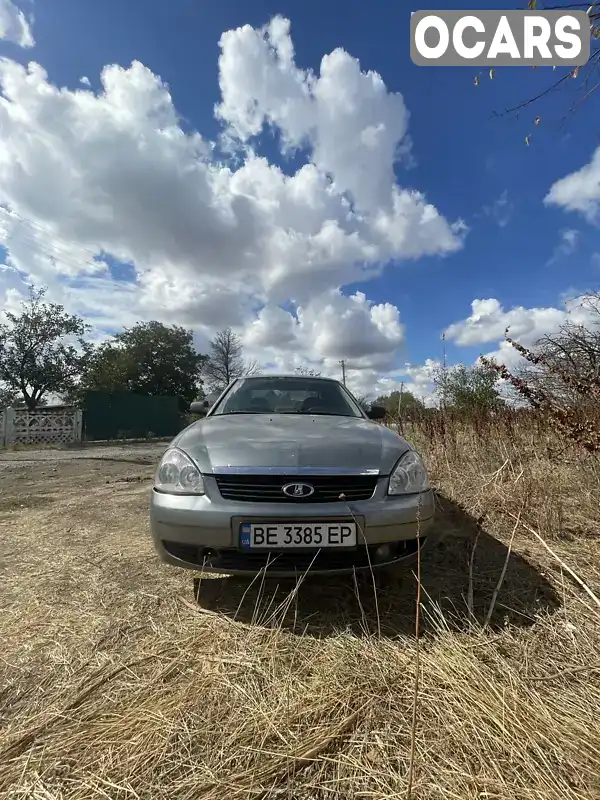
[114,684]
[60,509]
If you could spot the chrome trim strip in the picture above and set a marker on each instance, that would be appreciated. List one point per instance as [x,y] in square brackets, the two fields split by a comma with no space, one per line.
[229,470]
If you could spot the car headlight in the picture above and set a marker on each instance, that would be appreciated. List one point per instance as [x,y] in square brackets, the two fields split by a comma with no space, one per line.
[177,474]
[409,476]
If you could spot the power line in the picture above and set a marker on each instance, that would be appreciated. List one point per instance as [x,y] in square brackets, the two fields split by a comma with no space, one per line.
[46,249]
[14,214]
[50,245]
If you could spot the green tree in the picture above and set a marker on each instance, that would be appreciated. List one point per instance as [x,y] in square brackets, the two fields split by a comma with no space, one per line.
[8,397]
[467,389]
[42,350]
[398,402]
[226,362]
[149,358]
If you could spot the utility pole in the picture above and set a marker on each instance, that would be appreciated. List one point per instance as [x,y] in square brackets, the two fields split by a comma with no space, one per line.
[343,363]
[400,409]
[400,398]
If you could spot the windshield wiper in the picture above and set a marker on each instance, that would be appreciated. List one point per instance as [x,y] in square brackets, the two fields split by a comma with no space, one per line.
[325,414]
[226,413]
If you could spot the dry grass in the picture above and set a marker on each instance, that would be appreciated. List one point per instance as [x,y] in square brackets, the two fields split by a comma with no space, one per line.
[114,684]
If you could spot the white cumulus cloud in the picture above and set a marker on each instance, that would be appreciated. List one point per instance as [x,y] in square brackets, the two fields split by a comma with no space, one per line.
[14,26]
[331,326]
[352,124]
[579,191]
[214,239]
[489,320]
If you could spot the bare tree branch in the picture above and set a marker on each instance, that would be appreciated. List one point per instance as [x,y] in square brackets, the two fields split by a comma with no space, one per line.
[225,362]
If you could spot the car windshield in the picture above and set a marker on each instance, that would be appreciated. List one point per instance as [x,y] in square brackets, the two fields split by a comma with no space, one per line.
[277,395]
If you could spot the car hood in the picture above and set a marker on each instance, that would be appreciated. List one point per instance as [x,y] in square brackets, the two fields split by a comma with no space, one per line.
[291,441]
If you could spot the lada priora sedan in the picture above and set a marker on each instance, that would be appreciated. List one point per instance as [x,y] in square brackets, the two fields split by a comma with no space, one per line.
[288,475]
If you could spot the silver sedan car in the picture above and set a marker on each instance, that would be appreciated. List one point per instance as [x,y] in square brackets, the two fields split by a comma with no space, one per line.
[288,475]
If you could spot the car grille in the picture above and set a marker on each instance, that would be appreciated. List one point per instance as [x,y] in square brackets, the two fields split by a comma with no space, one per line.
[293,562]
[268,488]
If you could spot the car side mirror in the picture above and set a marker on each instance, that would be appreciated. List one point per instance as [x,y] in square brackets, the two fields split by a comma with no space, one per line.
[199,407]
[376,412]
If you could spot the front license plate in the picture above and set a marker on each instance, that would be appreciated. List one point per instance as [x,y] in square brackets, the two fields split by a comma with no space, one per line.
[308,534]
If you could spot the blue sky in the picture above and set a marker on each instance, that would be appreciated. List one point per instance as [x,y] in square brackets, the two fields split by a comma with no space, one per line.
[469,164]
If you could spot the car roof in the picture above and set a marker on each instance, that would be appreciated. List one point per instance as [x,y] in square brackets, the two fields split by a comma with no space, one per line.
[286,375]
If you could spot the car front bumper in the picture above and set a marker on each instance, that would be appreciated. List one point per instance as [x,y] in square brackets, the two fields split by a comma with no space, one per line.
[202,532]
